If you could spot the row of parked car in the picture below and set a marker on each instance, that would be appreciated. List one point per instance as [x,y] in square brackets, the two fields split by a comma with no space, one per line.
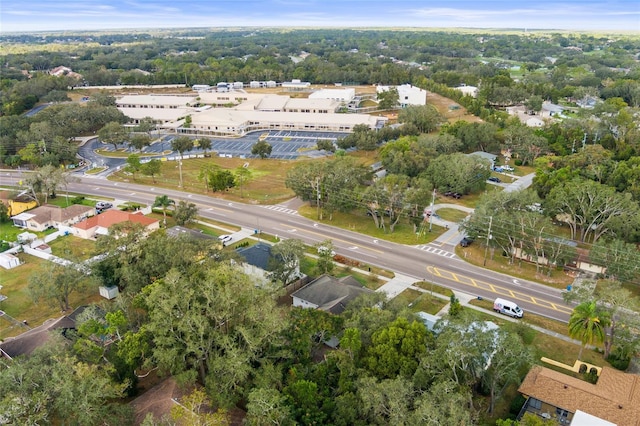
[451,194]
[505,168]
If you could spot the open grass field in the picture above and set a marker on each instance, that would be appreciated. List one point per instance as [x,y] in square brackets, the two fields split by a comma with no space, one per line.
[442,104]
[474,254]
[403,233]
[19,304]
[73,248]
[265,186]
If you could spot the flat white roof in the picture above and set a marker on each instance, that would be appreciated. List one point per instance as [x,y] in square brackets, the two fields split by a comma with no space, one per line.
[216,97]
[273,103]
[580,418]
[333,93]
[231,117]
[161,114]
[167,100]
[302,103]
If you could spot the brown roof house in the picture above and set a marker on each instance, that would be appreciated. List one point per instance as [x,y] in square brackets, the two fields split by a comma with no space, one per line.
[27,342]
[100,224]
[328,293]
[46,216]
[553,395]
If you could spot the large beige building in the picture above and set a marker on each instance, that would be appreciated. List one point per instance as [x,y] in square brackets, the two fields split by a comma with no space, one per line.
[242,113]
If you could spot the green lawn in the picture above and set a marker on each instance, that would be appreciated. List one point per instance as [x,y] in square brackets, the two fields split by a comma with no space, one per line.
[452,215]
[19,304]
[73,248]
[62,200]
[418,301]
[359,222]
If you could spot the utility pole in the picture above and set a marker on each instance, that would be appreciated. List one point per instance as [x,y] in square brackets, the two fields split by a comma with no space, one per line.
[433,200]
[488,239]
[318,195]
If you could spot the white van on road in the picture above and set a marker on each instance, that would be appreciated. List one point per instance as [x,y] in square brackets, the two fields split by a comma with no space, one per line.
[508,308]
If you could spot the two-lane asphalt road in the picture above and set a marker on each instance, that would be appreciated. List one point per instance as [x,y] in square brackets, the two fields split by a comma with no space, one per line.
[439,266]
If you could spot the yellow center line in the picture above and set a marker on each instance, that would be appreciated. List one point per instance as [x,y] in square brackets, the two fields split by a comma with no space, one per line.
[502,291]
[288,225]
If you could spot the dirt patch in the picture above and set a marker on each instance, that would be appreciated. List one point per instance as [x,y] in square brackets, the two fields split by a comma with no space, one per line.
[445,106]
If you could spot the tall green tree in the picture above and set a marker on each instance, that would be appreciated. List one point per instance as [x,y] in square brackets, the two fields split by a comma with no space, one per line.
[113,133]
[396,349]
[425,118]
[215,324]
[285,260]
[221,180]
[243,174]
[204,144]
[262,149]
[185,213]
[53,387]
[133,164]
[388,99]
[587,323]
[56,282]
[151,168]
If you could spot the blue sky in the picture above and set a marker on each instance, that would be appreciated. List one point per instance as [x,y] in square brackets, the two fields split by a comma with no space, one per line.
[50,15]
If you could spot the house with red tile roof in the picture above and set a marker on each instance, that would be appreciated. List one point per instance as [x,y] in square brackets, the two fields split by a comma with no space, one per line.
[554,395]
[100,224]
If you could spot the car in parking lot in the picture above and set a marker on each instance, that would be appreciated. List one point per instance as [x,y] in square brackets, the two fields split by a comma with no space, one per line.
[494,179]
[224,239]
[103,205]
[507,168]
[466,241]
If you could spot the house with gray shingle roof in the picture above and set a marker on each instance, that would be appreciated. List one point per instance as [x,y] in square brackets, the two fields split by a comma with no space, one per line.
[328,293]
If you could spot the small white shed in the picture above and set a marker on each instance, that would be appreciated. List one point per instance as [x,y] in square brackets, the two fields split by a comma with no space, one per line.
[8,261]
[109,292]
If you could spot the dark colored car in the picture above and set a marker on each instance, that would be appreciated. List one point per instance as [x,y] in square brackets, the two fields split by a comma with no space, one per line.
[466,241]
[494,179]
[456,195]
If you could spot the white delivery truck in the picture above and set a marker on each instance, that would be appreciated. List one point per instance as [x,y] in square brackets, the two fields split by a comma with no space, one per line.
[508,308]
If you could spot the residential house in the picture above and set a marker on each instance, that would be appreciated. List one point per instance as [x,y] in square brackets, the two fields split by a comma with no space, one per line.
[491,158]
[100,224]
[468,90]
[64,71]
[258,262]
[17,203]
[534,122]
[27,342]
[328,293]
[48,216]
[554,395]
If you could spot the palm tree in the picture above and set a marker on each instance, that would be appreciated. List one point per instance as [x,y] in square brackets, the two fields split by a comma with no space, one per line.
[587,324]
[163,201]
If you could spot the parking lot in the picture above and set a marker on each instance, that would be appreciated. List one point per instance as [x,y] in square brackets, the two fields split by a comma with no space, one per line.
[285,144]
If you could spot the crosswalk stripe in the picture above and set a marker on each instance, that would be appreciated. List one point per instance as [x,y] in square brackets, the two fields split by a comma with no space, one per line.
[439,252]
[281,209]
